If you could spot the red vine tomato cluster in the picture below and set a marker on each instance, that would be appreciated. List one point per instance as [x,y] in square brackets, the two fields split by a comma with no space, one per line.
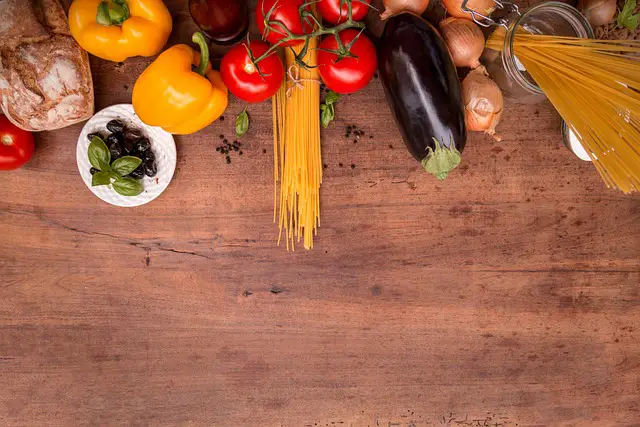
[346,59]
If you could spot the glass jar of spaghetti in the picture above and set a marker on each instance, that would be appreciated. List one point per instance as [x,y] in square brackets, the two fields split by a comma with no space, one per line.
[551,18]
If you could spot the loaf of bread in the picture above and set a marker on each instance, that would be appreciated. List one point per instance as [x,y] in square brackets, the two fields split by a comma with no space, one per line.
[45,79]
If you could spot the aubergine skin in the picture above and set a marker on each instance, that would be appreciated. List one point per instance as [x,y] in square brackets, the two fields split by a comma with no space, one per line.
[422,88]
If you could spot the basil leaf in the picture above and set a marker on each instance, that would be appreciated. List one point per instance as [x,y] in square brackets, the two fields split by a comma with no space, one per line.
[99,155]
[626,17]
[242,123]
[331,98]
[125,165]
[127,186]
[327,114]
[100,178]
[328,109]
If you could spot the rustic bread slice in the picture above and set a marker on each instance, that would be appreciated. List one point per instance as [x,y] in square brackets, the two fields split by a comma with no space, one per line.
[45,78]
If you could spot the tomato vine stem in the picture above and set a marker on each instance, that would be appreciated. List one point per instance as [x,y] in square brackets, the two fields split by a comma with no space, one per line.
[319,30]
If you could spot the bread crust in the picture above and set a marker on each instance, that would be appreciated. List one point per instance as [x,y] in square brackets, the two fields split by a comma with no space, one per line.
[45,77]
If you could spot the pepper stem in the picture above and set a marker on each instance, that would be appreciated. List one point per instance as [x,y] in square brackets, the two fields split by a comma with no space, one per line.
[198,38]
[442,160]
[112,12]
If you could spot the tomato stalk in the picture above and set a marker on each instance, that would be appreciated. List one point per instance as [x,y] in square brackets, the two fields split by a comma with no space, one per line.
[320,30]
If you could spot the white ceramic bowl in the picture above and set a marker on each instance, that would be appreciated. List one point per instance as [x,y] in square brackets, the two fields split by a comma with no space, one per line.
[162,144]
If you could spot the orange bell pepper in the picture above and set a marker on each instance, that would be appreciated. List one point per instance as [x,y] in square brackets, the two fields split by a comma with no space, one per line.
[171,95]
[119,29]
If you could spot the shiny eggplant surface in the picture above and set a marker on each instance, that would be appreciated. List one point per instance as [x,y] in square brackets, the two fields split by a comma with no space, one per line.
[423,91]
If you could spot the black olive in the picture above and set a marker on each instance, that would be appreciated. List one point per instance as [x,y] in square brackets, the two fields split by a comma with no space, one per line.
[115,126]
[115,138]
[138,173]
[128,147]
[94,134]
[93,170]
[148,155]
[132,134]
[150,168]
[143,145]
[116,150]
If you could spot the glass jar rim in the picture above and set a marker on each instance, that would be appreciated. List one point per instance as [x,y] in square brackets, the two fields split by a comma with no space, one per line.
[569,13]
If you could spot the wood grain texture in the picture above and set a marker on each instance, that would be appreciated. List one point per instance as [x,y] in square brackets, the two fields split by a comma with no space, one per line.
[507,295]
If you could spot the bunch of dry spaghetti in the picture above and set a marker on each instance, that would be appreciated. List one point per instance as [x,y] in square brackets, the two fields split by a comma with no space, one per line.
[297,158]
[595,86]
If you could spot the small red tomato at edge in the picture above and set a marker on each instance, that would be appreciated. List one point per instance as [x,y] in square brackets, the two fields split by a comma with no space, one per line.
[348,74]
[247,81]
[331,11]
[16,145]
[287,13]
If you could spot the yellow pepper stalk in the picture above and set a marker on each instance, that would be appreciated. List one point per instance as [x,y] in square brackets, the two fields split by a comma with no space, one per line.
[119,29]
[174,96]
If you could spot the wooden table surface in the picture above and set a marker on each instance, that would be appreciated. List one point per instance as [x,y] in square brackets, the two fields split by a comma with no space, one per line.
[507,295]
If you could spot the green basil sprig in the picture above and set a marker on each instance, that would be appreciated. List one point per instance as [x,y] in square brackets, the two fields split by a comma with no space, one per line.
[328,109]
[100,158]
[242,123]
[626,17]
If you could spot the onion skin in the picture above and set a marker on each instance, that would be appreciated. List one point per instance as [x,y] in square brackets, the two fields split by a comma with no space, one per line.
[483,102]
[598,12]
[454,8]
[394,7]
[464,40]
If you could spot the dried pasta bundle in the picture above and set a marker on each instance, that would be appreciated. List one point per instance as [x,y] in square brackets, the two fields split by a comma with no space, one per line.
[297,157]
[595,86]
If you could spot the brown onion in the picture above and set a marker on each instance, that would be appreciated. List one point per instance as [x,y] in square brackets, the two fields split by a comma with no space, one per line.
[393,7]
[598,12]
[482,102]
[464,40]
[454,7]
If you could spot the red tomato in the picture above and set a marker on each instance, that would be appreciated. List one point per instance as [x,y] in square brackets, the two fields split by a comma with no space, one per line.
[288,13]
[16,145]
[348,74]
[243,78]
[331,11]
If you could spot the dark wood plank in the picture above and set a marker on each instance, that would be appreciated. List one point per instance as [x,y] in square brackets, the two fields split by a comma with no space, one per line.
[506,295]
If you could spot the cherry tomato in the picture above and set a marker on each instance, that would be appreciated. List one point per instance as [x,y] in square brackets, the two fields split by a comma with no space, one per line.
[16,145]
[244,79]
[348,74]
[333,13]
[288,13]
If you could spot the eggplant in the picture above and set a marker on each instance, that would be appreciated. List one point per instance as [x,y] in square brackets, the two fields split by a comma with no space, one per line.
[422,88]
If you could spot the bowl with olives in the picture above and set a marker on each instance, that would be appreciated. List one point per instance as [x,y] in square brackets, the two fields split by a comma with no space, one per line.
[122,160]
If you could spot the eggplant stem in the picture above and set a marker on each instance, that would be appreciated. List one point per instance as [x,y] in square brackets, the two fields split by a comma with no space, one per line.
[442,160]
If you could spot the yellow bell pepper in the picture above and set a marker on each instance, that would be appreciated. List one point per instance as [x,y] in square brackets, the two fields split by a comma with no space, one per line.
[119,29]
[171,95]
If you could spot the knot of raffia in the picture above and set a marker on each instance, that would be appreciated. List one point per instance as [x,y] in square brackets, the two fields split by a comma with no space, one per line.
[296,82]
